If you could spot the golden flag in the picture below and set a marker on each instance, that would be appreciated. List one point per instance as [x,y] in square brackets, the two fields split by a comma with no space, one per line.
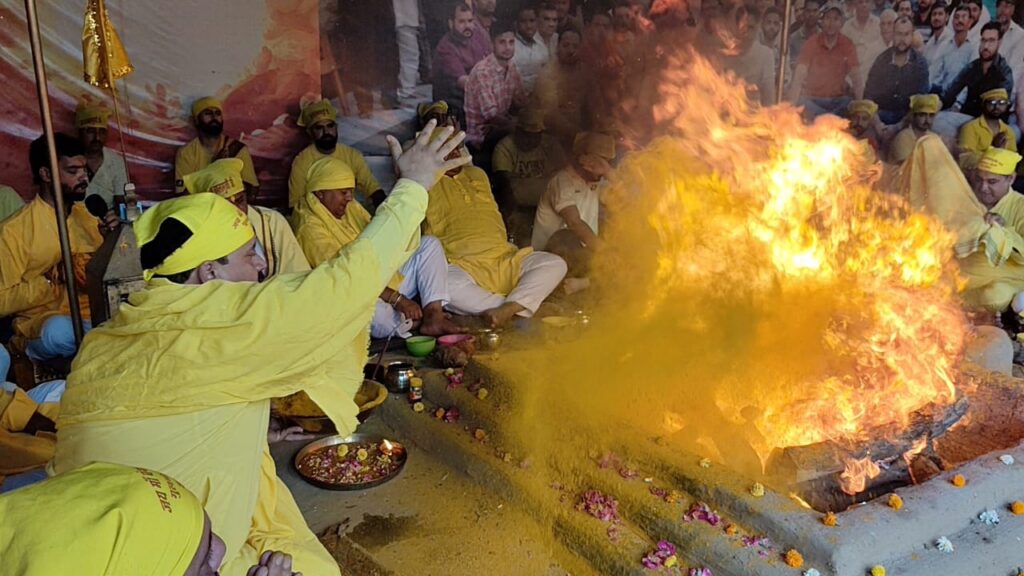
[103,55]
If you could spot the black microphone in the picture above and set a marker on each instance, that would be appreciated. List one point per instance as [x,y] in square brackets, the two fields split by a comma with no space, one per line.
[96,206]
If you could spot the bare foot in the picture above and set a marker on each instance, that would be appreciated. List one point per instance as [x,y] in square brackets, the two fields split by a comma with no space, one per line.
[498,317]
[437,323]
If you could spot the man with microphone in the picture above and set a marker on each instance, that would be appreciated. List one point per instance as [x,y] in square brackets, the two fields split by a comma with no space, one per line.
[32,283]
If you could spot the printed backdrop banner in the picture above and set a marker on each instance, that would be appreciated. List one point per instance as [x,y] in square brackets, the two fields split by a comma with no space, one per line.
[260,57]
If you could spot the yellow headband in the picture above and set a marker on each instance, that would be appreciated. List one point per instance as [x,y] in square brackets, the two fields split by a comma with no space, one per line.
[222,177]
[87,116]
[999,161]
[329,173]
[112,520]
[995,94]
[203,103]
[317,112]
[594,143]
[426,108]
[218,229]
[925,104]
[863,107]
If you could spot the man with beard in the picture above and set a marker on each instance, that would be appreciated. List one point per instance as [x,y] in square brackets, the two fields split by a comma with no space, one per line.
[989,129]
[456,54]
[988,72]
[107,175]
[863,116]
[923,108]
[897,74]
[494,91]
[211,144]
[522,164]
[954,54]
[320,121]
[827,61]
[32,274]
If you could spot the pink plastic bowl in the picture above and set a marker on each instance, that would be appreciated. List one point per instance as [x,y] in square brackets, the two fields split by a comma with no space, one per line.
[452,339]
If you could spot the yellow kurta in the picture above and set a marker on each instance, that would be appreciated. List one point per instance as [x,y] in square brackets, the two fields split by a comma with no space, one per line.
[284,256]
[990,256]
[193,157]
[465,218]
[29,250]
[20,452]
[365,182]
[975,136]
[181,379]
[322,236]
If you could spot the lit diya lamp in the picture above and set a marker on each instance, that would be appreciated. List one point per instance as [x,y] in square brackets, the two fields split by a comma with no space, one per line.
[386,448]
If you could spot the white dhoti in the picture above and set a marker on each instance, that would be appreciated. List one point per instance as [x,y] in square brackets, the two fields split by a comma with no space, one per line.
[539,276]
[425,275]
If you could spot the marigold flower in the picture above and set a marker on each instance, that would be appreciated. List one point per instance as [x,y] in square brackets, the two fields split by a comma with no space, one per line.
[757,490]
[895,502]
[794,559]
[829,519]
[731,529]
[1017,507]
[418,407]
[959,481]
[878,570]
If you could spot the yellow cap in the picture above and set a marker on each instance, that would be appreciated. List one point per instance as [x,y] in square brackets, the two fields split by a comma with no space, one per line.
[862,107]
[218,229]
[329,173]
[222,177]
[999,161]
[594,143]
[427,108]
[91,116]
[995,94]
[925,104]
[206,102]
[317,112]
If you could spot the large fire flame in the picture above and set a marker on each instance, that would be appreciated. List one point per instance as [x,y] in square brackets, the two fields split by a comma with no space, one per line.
[748,212]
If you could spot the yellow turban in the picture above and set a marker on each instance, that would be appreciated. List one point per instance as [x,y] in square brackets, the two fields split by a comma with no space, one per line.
[594,143]
[329,173]
[88,116]
[999,161]
[925,104]
[317,112]
[995,94]
[222,177]
[426,108]
[218,229]
[101,519]
[863,107]
[203,103]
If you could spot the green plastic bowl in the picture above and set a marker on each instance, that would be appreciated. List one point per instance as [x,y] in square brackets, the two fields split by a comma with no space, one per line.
[420,346]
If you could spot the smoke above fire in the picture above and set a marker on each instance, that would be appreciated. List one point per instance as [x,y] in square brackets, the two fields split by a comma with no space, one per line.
[754,290]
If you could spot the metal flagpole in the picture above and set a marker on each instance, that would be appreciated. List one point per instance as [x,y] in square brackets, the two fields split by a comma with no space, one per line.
[58,196]
[780,78]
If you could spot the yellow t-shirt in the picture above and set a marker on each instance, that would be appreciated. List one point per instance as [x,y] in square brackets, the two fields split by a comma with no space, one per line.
[463,215]
[193,157]
[365,182]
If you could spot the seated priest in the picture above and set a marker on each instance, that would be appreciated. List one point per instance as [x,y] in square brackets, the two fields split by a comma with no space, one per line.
[211,143]
[488,276]
[180,381]
[32,282]
[275,241]
[986,216]
[327,219]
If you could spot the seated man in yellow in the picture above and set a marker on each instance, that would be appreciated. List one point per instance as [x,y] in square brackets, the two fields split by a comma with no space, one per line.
[320,121]
[180,381]
[989,129]
[327,220]
[986,216]
[923,108]
[27,423]
[487,276]
[31,272]
[275,241]
[211,143]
